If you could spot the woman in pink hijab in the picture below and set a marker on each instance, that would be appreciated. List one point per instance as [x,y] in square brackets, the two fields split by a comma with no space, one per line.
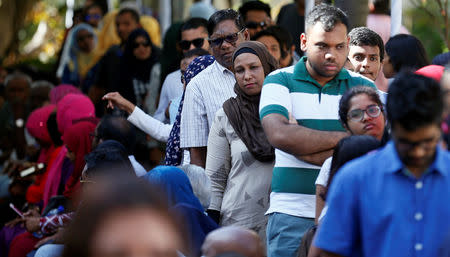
[70,110]
[37,127]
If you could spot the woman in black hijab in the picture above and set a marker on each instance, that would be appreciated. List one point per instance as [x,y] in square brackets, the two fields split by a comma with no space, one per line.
[240,159]
[140,69]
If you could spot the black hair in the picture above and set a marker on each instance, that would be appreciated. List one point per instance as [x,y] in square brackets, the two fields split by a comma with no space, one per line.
[194,23]
[108,154]
[134,14]
[52,127]
[253,5]
[363,36]
[406,53]
[92,6]
[271,33]
[119,129]
[195,52]
[329,16]
[285,39]
[441,59]
[381,6]
[223,15]
[347,149]
[344,103]
[414,101]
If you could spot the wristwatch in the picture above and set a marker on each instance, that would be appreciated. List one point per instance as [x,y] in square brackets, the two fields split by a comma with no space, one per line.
[19,123]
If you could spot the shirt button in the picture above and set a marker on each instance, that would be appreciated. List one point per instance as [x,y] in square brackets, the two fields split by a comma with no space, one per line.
[418,216]
[418,247]
[419,185]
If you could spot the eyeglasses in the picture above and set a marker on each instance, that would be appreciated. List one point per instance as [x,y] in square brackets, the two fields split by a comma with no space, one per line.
[255,25]
[137,44]
[232,38]
[82,38]
[358,114]
[186,44]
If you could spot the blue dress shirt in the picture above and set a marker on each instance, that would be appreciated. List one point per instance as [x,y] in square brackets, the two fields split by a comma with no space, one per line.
[377,209]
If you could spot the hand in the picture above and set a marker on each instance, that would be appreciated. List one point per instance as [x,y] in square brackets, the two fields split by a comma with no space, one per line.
[32,224]
[57,238]
[34,212]
[14,222]
[115,99]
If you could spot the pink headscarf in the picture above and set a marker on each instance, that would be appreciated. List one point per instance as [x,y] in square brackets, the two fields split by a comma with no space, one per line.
[432,71]
[37,127]
[72,108]
[58,92]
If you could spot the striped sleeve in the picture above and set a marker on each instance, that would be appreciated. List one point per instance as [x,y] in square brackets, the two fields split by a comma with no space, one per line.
[275,96]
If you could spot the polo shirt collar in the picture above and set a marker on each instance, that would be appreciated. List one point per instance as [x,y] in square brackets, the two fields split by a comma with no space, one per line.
[392,162]
[301,73]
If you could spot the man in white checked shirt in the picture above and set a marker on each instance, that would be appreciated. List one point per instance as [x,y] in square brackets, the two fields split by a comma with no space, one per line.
[207,91]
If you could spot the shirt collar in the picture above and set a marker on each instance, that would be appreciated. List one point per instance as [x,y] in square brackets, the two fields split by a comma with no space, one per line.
[221,68]
[301,73]
[392,163]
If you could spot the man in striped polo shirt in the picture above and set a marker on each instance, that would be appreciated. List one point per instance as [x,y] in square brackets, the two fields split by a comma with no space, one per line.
[309,91]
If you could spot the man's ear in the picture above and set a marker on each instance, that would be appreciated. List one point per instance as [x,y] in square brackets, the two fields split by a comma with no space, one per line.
[303,41]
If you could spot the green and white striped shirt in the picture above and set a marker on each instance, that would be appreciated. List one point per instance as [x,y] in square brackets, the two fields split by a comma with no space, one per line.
[293,90]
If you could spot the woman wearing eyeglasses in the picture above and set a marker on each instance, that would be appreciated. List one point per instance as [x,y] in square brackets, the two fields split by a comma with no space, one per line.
[361,113]
[140,70]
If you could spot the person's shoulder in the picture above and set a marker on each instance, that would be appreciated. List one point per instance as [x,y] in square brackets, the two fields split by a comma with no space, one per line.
[283,73]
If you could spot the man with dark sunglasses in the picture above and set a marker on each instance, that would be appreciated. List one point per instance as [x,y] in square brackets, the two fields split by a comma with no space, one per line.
[194,34]
[207,91]
[256,15]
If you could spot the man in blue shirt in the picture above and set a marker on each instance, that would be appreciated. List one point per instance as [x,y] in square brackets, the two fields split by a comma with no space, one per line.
[394,202]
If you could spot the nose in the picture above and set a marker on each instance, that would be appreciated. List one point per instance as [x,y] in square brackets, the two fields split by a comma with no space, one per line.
[365,62]
[191,46]
[417,152]
[366,116]
[330,55]
[247,75]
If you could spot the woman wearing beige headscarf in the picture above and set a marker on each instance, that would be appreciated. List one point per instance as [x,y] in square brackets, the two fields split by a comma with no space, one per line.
[240,159]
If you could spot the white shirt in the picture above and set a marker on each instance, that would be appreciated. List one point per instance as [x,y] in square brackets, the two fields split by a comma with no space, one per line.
[150,125]
[324,173]
[205,94]
[171,89]
[138,168]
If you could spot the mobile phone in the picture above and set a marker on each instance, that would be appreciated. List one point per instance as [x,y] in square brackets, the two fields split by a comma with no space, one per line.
[16,210]
[31,170]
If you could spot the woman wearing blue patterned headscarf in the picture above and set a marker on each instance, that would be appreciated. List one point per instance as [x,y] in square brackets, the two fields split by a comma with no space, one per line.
[78,69]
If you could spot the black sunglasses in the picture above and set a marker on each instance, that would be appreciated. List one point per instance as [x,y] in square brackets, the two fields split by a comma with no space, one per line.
[186,44]
[137,44]
[255,25]
[232,38]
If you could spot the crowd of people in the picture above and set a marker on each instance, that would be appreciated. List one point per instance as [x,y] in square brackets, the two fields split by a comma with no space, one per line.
[241,136]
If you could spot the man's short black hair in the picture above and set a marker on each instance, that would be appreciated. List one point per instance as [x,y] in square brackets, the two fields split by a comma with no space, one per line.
[414,101]
[119,129]
[194,23]
[134,14]
[252,6]
[271,33]
[223,15]
[285,38]
[327,15]
[363,36]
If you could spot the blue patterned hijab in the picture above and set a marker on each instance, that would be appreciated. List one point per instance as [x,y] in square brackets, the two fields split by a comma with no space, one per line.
[173,151]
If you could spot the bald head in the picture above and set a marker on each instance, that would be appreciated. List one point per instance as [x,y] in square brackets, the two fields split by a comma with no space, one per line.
[233,239]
